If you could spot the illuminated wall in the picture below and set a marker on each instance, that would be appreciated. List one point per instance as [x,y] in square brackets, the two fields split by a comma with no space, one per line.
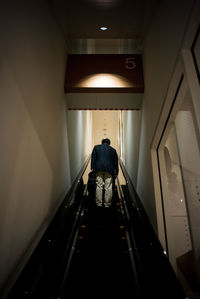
[105,125]
[130,139]
[80,139]
[34,172]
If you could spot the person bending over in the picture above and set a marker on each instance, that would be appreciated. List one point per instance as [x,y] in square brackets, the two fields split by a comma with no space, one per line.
[104,162]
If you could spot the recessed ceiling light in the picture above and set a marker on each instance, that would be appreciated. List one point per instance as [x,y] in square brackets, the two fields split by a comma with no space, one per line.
[103,28]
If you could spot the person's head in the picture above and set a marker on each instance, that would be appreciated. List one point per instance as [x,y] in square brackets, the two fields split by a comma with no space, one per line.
[105,140]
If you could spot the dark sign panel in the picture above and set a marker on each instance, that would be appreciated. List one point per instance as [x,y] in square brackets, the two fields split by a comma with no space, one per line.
[104,73]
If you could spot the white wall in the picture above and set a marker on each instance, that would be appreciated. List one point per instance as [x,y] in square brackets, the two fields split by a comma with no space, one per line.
[80,139]
[34,172]
[162,46]
[105,125]
[131,123]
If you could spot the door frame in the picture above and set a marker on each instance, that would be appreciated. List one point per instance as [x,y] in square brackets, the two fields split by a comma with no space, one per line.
[185,75]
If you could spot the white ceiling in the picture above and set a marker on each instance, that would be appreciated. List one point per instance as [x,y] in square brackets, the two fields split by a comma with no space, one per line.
[128,22]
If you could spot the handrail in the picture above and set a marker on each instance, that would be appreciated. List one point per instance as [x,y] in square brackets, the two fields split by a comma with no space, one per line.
[132,245]
[138,206]
[73,236]
[69,250]
[70,195]
[46,244]
[129,183]
[151,245]
[136,202]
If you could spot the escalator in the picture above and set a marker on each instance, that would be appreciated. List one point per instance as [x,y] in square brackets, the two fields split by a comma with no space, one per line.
[99,252]
[101,262]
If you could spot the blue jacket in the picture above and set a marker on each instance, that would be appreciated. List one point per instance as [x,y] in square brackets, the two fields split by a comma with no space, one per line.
[104,158]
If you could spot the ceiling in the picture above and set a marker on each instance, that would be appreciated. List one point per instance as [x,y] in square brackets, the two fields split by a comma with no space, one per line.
[128,22]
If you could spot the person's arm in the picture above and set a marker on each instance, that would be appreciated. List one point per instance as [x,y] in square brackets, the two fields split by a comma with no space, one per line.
[93,159]
[116,168]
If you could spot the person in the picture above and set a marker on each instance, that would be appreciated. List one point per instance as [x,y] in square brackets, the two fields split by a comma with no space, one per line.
[104,162]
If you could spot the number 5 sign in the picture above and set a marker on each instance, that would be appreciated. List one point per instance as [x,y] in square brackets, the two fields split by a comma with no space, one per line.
[127,67]
[130,63]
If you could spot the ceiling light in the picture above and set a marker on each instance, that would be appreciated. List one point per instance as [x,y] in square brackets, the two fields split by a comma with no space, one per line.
[104,3]
[104,80]
[103,28]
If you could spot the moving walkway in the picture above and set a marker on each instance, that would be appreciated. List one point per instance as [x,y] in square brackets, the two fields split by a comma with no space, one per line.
[99,252]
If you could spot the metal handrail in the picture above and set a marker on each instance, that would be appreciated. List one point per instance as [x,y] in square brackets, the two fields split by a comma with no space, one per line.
[69,248]
[138,206]
[69,251]
[70,197]
[47,242]
[132,245]
[135,200]
[151,240]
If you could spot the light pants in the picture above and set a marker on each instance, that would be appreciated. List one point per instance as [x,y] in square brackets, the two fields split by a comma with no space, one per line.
[104,181]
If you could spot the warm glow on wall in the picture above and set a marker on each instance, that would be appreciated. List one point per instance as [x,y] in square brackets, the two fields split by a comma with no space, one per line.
[104,80]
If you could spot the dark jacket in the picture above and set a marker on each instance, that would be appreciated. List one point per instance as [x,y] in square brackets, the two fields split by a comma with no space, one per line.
[104,158]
